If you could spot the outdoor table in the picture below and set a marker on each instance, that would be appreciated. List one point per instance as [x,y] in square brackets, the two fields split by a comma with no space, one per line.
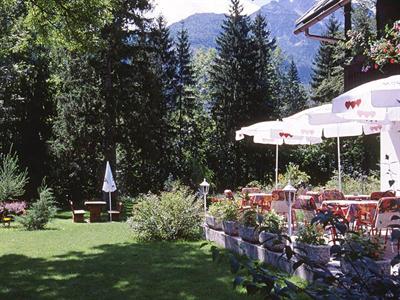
[95,208]
[353,209]
[357,197]
[261,199]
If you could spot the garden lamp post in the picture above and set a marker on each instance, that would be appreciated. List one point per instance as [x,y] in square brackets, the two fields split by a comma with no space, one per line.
[205,186]
[291,191]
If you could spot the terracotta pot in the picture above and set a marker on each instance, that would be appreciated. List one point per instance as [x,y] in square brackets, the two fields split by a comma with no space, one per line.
[249,234]
[320,254]
[213,222]
[230,227]
[271,241]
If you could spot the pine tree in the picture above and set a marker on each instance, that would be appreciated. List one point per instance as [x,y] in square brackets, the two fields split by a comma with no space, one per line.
[294,96]
[327,72]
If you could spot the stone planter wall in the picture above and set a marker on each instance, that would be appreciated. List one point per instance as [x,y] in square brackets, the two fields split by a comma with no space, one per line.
[256,252]
[383,265]
[249,234]
[271,242]
[230,227]
[213,222]
[318,254]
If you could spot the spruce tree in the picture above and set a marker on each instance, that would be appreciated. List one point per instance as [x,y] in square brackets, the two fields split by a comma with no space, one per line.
[294,95]
[327,72]
[188,136]
[234,104]
[266,84]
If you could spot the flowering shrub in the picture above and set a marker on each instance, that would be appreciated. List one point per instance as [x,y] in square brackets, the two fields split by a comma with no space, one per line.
[15,207]
[379,52]
[173,215]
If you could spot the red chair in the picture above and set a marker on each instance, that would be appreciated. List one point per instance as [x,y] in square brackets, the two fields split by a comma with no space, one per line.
[379,195]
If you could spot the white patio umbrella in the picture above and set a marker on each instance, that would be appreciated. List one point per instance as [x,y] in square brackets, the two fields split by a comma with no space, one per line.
[276,133]
[333,126]
[109,185]
[377,100]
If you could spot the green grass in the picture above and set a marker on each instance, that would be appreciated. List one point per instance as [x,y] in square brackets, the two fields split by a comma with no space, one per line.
[104,261]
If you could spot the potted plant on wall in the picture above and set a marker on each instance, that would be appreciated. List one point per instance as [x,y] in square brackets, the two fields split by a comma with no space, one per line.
[229,216]
[248,228]
[213,218]
[311,242]
[271,232]
[362,254]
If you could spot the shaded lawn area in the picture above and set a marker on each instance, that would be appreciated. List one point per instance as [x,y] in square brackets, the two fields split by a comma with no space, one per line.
[103,261]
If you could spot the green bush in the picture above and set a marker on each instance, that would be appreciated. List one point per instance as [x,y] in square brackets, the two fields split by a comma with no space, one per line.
[216,208]
[248,218]
[127,206]
[356,184]
[230,211]
[12,179]
[294,174]
[311,234]
[41,211]
[173,215]
[272,222]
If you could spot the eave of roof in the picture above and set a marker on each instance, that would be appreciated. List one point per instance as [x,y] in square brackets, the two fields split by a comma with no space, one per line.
[319,11]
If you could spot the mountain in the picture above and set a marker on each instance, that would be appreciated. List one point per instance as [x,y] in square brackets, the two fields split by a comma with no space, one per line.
[176,10]
[281,15]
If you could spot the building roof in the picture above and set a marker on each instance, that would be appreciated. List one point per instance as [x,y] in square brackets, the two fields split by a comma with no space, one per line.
[319,11]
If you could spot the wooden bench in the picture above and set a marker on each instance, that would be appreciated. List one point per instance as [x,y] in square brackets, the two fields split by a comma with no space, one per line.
[114,214]
[78,215]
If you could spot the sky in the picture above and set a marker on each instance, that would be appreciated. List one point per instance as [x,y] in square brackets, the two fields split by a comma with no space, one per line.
[177,10]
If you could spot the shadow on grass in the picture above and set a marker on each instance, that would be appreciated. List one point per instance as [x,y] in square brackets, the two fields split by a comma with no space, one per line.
[121,271]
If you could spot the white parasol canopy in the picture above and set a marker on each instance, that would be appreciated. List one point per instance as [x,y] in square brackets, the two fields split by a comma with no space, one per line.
[277,133]
[333,126]
[377,100]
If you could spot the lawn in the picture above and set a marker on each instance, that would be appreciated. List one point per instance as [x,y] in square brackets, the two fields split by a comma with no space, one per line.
[103,261]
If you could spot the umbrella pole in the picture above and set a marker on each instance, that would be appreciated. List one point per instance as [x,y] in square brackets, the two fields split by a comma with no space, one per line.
[276,166]
[339,165]
[109,198]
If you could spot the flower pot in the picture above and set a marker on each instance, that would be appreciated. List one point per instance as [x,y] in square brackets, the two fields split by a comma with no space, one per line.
[230,227]
[213,222]
[249,234]
[362,267]
[319,254]
[271,241]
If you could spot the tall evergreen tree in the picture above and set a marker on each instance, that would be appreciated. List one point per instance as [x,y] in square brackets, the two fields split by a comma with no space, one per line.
[266,84]
[294,96]
[327,72]
[187,109]
[235,103]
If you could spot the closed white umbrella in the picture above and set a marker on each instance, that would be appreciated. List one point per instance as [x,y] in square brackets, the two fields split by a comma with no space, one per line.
[109,185]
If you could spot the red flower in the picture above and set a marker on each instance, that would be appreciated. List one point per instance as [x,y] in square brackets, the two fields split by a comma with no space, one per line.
[376,66]
[392,61]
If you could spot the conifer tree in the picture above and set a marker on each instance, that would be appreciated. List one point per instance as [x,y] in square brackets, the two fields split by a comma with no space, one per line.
[266,84]
[294,95]
[327,72]
[187,108]
[234,104]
